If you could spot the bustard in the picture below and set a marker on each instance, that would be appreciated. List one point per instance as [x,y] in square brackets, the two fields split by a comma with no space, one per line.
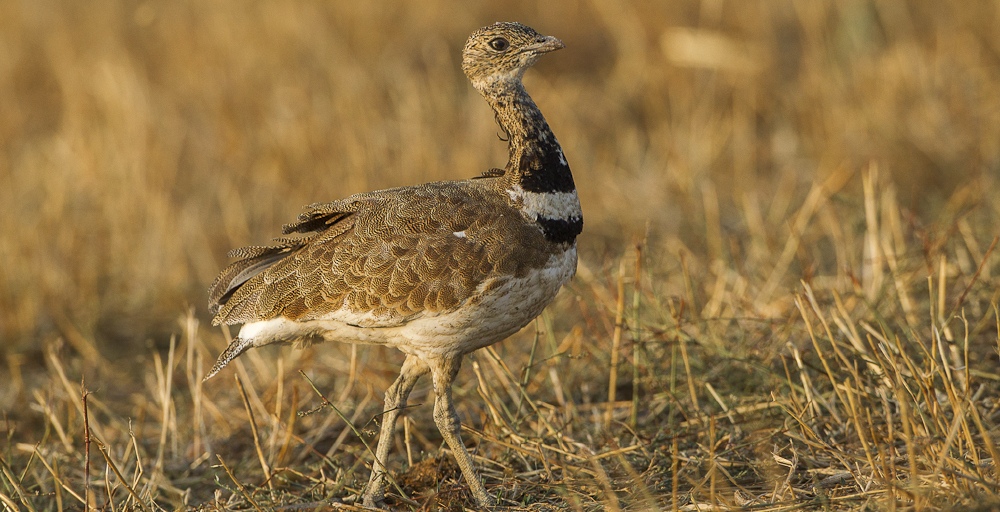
[436,270]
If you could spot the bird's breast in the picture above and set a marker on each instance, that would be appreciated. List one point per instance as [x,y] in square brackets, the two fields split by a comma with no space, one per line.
[501,307]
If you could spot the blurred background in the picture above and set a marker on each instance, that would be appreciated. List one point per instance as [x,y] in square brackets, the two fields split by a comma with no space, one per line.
[141,140]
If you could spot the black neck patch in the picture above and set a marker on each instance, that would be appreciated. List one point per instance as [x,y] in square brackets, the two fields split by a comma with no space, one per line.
[536,160]
[542,166]
[559,231]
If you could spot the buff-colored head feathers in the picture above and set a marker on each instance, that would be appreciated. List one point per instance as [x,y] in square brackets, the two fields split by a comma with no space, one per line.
[502,52]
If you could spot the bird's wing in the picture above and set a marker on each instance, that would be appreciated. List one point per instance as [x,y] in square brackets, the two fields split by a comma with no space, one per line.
[381,259]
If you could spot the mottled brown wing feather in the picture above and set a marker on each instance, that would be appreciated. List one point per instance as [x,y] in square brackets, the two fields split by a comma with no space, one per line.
[396,255]
[233,276]
[322,220]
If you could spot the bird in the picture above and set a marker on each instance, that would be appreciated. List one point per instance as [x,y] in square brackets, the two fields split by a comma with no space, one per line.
[436,270]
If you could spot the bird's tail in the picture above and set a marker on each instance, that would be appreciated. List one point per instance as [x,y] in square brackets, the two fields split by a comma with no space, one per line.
[237,347]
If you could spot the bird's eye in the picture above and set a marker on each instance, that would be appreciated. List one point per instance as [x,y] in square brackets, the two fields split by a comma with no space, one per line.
[499,44]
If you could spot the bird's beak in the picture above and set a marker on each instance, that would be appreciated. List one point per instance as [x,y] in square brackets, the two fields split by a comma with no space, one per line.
[547,44]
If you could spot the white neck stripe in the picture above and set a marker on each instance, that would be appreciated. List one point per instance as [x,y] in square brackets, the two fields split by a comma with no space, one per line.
[549,205]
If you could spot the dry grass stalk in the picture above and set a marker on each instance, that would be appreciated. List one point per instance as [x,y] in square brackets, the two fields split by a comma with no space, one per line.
[86,446]
[264,466]
[240,486]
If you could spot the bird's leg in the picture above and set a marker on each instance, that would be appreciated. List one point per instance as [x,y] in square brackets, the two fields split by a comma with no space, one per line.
[447,421]
[395,399]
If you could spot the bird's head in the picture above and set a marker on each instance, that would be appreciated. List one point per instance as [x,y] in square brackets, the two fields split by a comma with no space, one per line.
[502,52]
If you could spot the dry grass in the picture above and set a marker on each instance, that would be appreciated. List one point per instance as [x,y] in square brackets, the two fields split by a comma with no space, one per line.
[787,297]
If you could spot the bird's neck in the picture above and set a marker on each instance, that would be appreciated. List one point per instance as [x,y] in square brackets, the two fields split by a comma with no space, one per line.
[537,172]
[535,158]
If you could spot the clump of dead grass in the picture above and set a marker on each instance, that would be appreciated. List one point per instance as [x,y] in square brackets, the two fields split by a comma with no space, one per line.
[879,394]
